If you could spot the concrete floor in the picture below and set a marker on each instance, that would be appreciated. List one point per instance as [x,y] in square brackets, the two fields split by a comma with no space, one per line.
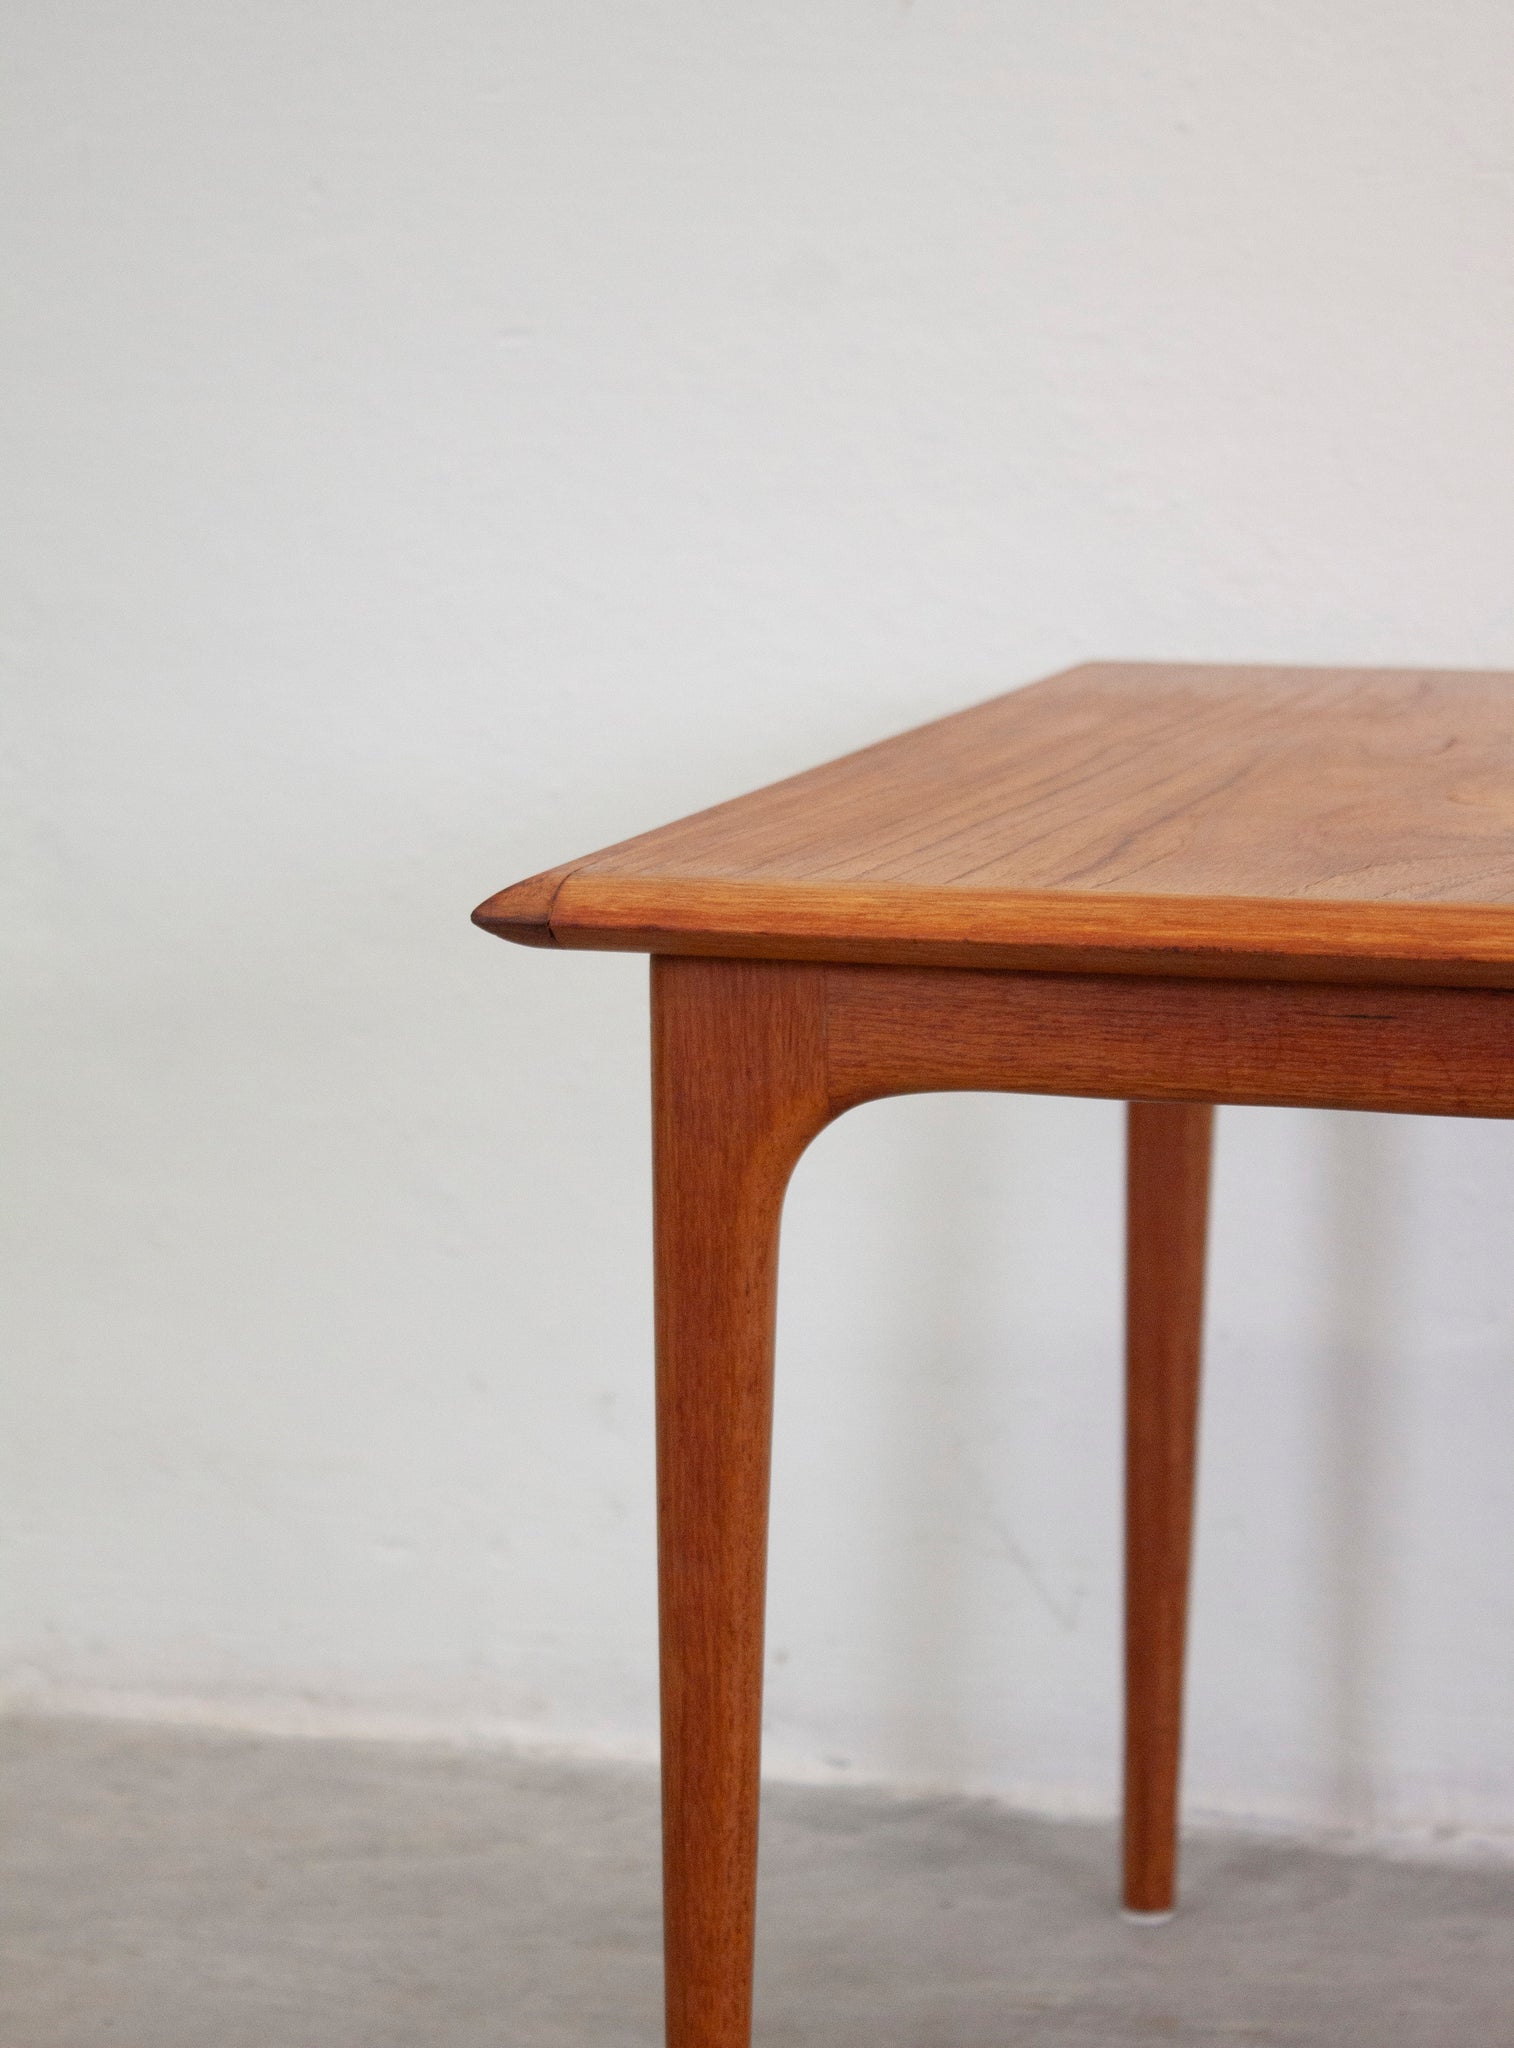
[183,1891]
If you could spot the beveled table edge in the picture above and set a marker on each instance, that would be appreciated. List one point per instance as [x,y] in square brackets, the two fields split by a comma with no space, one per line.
[1050,931]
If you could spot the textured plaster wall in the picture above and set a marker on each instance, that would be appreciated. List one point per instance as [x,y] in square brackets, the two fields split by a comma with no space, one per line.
[441,439]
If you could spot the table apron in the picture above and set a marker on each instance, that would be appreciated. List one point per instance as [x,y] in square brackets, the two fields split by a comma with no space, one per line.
[1430,1051]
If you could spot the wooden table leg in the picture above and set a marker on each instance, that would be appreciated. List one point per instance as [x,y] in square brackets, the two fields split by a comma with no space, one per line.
[1169,1147]
[738,1091]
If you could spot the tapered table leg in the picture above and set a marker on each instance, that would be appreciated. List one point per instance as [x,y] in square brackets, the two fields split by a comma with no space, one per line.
[738,1091]
[1168,1160]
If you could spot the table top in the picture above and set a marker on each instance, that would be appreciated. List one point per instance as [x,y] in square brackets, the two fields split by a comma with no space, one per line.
[1338,824]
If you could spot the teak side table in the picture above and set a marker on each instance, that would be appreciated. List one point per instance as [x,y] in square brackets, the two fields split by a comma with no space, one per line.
[1172,885]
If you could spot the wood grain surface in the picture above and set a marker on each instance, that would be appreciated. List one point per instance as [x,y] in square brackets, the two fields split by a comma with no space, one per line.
[1122,817]
[1438,1052]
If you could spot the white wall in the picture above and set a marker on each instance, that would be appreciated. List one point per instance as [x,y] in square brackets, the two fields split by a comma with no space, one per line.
[443,438]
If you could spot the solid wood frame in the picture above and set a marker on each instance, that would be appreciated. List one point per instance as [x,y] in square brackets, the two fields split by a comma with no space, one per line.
[751,1059]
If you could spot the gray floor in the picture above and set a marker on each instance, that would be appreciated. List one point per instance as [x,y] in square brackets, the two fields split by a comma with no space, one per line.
[173,1891]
